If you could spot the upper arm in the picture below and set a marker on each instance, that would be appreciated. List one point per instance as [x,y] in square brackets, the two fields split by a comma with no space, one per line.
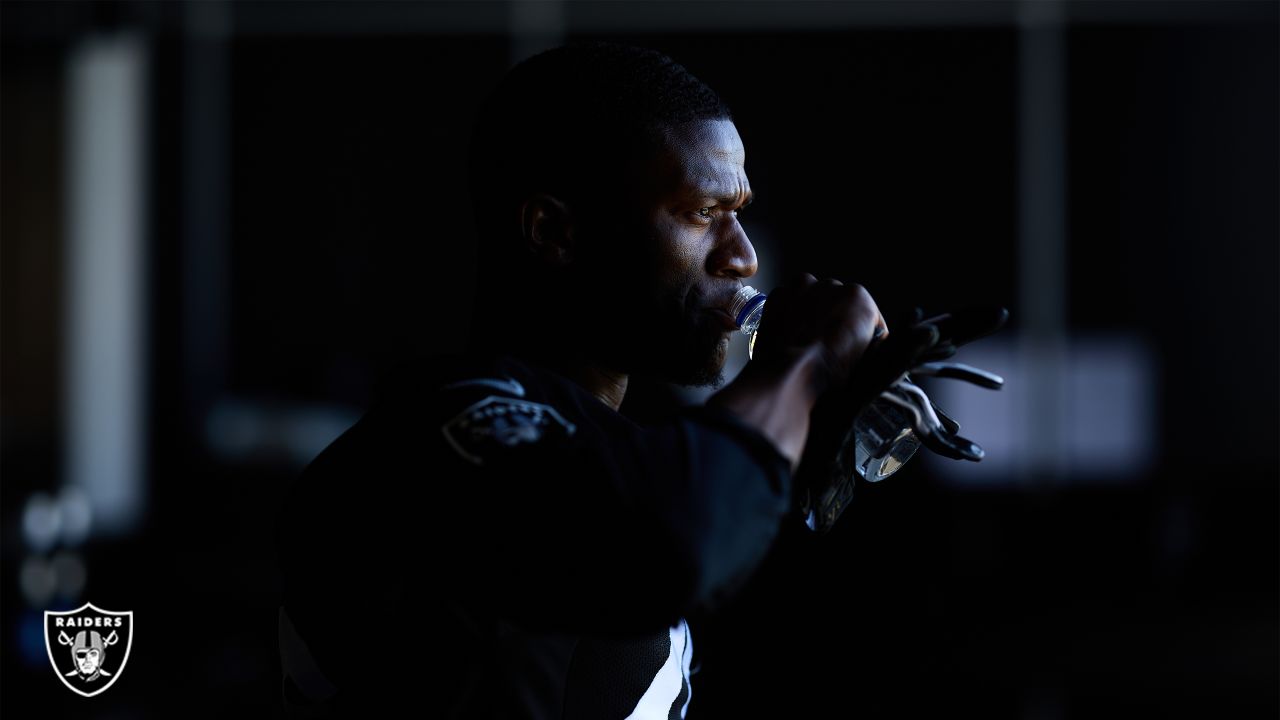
[575,518]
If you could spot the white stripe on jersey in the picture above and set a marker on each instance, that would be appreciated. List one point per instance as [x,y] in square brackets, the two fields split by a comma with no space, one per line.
[656,702]
[688,655]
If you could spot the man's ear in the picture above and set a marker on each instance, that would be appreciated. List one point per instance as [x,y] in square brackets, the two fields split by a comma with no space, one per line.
[547,229]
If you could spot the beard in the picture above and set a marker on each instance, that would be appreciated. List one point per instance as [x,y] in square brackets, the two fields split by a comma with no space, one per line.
[698,356]
[674,344]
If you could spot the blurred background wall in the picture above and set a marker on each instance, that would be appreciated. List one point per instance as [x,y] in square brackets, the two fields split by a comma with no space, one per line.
[223,222]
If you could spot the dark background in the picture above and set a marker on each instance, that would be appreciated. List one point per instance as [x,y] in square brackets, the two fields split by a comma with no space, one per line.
[307,225]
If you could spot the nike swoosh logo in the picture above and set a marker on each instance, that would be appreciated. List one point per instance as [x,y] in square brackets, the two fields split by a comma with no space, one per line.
[507,385]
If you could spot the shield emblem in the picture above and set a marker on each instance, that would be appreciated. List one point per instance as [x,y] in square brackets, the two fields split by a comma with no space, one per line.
[88,647]
[496,424]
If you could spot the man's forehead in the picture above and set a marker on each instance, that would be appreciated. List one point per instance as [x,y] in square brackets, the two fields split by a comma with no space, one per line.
[717,139]
[703,156]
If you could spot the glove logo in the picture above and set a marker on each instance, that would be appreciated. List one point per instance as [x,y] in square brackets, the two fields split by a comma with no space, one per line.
[88,647]
[498,423]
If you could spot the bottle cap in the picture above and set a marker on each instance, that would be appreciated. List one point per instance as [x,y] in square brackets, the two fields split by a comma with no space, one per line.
[744,302]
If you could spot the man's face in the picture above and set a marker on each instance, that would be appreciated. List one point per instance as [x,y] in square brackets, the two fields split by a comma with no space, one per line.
[676,255]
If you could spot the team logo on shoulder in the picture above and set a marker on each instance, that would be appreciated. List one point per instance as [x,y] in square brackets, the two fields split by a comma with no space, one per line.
[88,646]
[497,423]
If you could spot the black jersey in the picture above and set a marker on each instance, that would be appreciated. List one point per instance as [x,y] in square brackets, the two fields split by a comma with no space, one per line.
[492,540]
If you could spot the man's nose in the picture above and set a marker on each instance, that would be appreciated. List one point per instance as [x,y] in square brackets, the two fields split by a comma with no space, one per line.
[734,256]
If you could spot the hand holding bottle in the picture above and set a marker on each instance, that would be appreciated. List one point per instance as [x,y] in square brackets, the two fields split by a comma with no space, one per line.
[839,322]
[815,334]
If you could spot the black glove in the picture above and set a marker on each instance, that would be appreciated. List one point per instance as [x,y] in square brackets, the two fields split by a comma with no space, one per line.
[826,476]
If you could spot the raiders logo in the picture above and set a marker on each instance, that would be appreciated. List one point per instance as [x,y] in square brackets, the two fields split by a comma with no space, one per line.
[498,423]
[88,647]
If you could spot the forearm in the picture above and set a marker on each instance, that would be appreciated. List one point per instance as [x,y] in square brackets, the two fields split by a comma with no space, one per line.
[776,399]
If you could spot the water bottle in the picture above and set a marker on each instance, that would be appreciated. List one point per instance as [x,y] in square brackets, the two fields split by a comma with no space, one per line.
[883,439]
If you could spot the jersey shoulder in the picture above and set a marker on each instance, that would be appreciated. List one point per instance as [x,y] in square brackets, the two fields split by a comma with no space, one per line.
[490,408]
[487,408]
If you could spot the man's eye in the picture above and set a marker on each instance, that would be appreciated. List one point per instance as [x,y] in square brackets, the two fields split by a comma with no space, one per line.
[706,212]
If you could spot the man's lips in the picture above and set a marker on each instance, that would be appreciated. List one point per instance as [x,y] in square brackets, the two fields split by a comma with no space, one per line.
[729,324]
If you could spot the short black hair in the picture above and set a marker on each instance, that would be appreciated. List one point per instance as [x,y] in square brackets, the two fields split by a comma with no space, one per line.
[543,127]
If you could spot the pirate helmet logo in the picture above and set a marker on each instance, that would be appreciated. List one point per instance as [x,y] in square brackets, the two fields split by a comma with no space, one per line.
[88,647]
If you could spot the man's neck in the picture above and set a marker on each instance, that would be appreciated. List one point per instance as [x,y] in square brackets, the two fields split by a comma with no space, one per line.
[610,386]
[554,349]
[607,386]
